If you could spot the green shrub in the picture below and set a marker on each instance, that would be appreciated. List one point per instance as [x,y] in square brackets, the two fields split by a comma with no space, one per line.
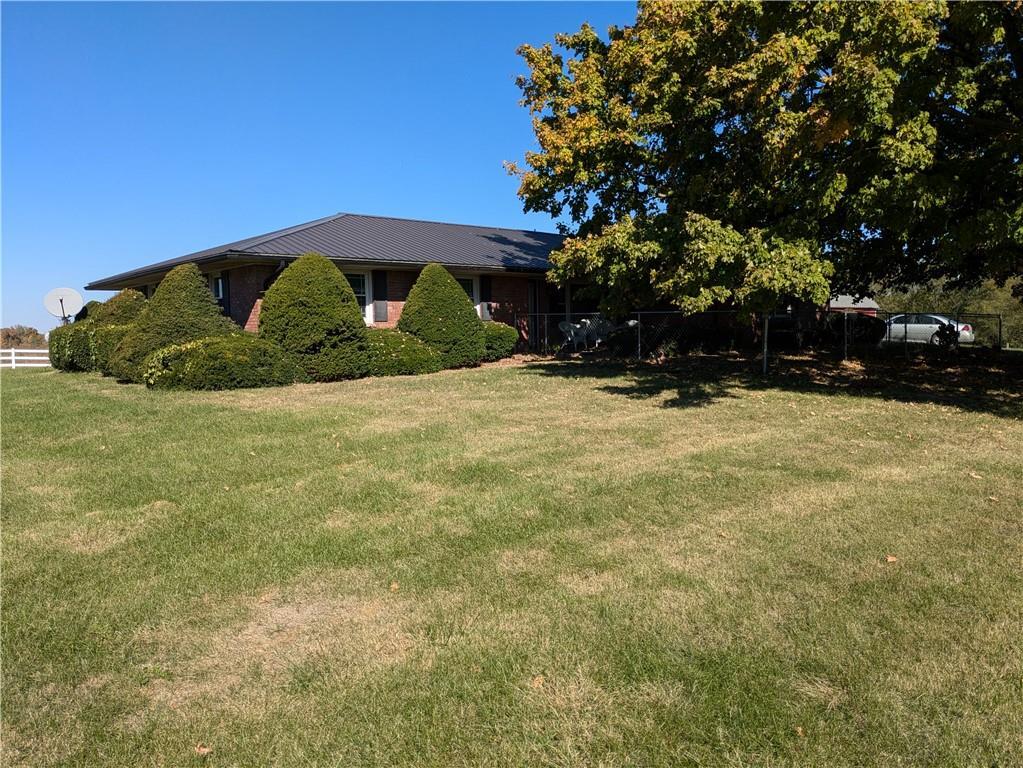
[105,339]
[181,310]
[311,312]
[120,309]
[440,313]
[393,353]
[59,350]
[221,362]
[499,340]
[71,347]
[87,311]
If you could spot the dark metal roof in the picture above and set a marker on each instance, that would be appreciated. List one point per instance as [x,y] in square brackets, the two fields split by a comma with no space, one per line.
[377,240]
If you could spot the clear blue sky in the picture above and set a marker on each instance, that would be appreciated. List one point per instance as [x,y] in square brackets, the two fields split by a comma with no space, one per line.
[138,132]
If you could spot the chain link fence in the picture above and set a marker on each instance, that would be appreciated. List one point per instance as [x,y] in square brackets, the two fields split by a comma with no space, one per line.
[658,335]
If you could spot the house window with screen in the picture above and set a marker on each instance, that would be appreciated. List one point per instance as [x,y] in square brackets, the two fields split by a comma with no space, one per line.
[358,283]
[468,285]
[217,289]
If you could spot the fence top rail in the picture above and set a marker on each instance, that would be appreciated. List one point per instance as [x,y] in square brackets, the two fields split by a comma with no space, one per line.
[19,349]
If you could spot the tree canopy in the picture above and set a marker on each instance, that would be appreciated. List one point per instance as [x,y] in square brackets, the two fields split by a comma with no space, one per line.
[739,152]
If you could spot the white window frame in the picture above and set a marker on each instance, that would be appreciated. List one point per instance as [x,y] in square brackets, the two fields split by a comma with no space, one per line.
[212,278]
[367,311]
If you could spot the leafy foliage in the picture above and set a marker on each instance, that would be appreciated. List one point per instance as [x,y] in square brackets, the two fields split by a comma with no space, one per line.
[237,361]
[734,152]
[439,312]
[393,353]
[499,340]
[21,337]
[311,311]
[60,352]
[105,339]
[71,347]
[181,310]
[124,307]
[85,313]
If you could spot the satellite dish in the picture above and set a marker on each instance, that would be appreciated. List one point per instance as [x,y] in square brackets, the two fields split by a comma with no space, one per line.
[64,303]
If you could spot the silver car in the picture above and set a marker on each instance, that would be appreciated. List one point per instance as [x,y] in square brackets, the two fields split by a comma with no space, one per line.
[923,329]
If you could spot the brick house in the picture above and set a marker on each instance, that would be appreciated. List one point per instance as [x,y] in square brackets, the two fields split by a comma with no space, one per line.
[502,270]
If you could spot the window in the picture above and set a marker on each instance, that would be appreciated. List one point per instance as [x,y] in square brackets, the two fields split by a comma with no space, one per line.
[217,287]
[358,283]
[469,286]
[363,293]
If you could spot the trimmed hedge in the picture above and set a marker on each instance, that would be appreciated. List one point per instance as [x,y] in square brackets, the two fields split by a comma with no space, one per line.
[59,351]
[311,312]
[105,339]
[181,310]
[120,309]
[499,340]
[393,353]
[86,312]
[71,347]
[221,362]
[440,313]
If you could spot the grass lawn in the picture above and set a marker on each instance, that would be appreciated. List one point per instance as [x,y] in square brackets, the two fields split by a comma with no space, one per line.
[545,564]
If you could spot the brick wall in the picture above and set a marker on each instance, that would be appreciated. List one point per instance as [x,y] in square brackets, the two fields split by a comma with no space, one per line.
[399,283]
[245,294]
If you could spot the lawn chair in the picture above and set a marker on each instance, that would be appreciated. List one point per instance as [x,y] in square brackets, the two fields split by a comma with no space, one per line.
[598,330]
[574,334]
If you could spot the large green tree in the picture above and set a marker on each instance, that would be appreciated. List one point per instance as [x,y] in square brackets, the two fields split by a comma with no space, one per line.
[742,151]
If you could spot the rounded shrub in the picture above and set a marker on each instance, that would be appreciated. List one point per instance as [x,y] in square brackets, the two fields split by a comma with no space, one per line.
[221,362]
[440,313]
[105,339]
[499,340]
[87,311]
[311,312]
[181,310]
[393,353]
[120,309]
[59,350]
[71,347]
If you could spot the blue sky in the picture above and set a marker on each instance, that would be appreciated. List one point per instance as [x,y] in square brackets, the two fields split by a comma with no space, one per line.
[138,132]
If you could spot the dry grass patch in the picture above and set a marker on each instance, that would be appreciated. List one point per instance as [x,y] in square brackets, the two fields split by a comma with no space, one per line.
[249,660]
[98,531]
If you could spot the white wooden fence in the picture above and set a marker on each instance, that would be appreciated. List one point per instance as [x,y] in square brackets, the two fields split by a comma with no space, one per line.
[24,358]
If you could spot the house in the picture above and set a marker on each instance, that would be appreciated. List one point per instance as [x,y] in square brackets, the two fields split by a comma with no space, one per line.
[845,303]
[502,270]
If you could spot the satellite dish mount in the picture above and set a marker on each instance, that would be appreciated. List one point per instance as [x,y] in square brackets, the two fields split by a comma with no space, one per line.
[64,303]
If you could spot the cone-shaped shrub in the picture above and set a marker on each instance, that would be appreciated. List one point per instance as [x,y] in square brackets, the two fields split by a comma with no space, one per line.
[440,313]
[120,309]
[311,311]
[182,309]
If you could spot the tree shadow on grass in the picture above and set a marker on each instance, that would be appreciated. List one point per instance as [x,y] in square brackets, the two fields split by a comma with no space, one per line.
[991,385]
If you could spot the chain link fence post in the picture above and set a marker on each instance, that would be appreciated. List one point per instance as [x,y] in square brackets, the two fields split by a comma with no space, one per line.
[639,336]
[767,321]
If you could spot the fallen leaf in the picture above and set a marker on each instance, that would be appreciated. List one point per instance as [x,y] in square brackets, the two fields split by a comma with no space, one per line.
[394,586]
[202,750]
[992,498]
[975,476]
[890,558]
[536,682]
[799,731]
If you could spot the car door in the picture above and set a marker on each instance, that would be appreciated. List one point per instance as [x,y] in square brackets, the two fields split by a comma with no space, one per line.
[924,328]
[897,328]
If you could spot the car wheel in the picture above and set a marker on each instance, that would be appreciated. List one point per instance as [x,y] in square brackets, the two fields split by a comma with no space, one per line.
[934,339]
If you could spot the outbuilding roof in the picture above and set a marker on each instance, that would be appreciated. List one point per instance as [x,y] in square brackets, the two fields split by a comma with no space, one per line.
[380,240]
